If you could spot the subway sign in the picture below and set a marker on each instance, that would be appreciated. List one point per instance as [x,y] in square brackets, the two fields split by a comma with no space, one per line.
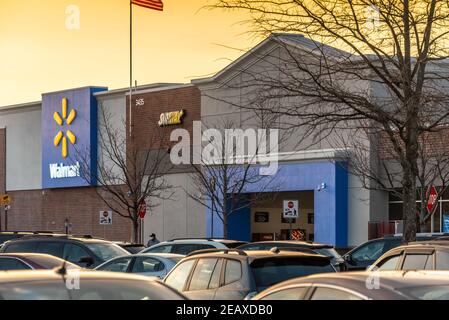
[69,138]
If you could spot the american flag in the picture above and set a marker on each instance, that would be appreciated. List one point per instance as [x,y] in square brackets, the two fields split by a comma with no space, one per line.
[150,4]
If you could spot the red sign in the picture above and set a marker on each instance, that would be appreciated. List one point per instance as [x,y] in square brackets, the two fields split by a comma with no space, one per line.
[432,196]
[291,205]
[142,210]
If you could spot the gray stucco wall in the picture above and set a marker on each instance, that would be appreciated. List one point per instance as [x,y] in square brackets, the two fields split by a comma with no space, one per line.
[23,145]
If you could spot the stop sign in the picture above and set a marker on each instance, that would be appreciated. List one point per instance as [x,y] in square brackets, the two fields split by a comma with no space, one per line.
[432,196]
[142,209]
[291,205]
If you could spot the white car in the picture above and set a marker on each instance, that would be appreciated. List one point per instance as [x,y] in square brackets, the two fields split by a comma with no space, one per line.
[152,265]
[186,246]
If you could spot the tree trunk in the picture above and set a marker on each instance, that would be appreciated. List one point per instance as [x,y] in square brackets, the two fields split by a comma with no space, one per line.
[409,189]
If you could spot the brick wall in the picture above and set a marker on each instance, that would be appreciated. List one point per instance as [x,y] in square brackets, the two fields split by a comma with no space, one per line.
[46,210]
[146,117]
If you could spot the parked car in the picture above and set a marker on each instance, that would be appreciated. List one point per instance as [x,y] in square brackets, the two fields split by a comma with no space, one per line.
[85,252]
[132,248]
[426,255]
[89,285]
[324,249]
[393,285]
[361,257]
[10,235]
[232,274]
[148,264]
[32,261]
[186,246]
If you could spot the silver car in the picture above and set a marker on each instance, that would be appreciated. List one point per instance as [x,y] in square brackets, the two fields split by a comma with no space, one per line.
[152,265]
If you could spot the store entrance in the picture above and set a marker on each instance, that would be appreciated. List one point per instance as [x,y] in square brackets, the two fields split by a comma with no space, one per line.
[267,222]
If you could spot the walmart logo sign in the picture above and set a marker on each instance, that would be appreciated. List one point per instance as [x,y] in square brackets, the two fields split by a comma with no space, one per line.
[60,121]
[69,138]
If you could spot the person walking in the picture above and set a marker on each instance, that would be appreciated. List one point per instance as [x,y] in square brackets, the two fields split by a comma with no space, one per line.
[153,240]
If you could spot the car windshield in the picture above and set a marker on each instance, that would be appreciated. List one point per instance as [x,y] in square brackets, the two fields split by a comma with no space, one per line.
[52,262]
[270,271]
[328,252]
[428,292]
[107,251]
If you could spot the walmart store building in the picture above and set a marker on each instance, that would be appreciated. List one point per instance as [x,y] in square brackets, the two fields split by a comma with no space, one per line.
[37,167]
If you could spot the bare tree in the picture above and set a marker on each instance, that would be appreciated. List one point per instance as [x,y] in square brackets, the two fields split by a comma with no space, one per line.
[127,176]
[226,173]
[390,77]
[377,165]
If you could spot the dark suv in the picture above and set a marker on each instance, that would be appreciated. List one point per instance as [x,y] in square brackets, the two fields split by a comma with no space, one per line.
[366,254]
[232,274]
[313,247]
[85,252]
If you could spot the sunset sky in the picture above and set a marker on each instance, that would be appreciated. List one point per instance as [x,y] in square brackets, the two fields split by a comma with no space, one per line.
[39,54]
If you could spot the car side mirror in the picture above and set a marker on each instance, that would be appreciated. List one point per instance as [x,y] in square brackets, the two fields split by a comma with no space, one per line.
[348,259]
[88,261]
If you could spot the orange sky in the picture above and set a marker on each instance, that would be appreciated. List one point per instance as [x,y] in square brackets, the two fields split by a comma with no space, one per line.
[39,54]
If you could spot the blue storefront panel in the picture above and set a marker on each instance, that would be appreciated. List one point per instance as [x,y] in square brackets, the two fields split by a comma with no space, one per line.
[330,204]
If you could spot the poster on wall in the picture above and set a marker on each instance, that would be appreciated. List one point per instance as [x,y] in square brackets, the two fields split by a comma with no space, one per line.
[287,220]
[261,217]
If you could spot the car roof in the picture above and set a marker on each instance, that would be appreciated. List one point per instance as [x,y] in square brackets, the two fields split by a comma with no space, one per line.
[393,280]
[161,255]
[190,241]
[255,254]
[294,242]
[49,275]
[425,244]
[57,237]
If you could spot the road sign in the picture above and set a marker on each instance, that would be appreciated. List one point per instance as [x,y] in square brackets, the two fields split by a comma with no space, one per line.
[105,218]
[142,210]
[291,209]
[432,196]
[5,200]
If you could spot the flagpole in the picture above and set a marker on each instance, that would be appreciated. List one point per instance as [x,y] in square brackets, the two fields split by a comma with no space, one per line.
[130,65]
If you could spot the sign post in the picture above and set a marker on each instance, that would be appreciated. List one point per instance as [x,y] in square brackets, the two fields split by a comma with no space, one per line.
[291,211]
[5,200]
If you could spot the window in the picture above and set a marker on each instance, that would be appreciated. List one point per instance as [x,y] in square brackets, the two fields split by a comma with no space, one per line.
[202,274]
[51,248]
[233,271]
[369,252]
[442,260]
[270,271]
[146,265]
[117,265]
[389,263]
[107,251]
[215,279]
[27,246]
[74,253]
[161,249]
[417,262]
[178,277]
[288,294]
[12,264]
[333,294]
[187,248]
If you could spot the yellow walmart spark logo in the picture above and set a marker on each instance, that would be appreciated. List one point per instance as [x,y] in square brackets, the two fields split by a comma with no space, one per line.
[60,137]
